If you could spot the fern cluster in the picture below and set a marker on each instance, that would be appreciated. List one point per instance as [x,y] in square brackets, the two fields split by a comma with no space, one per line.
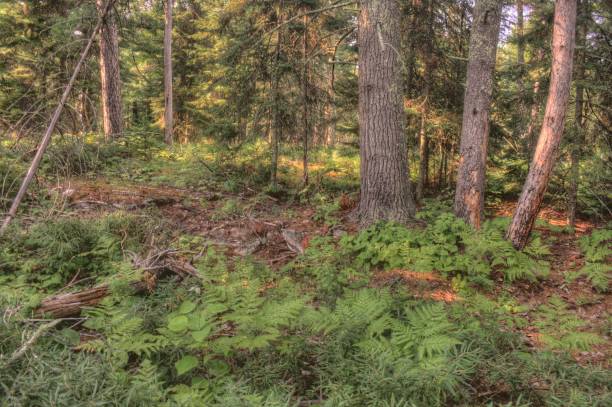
[597,250]
[449,246]
[377,352]
[561,329]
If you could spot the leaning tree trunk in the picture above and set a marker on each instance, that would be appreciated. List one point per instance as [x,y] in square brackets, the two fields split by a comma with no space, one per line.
[469,195]
[385,189]
[552,127]
[168,112]
[110,77]
[579,124]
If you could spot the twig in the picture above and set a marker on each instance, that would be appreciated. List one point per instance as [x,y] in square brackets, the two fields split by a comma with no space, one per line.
[27,344]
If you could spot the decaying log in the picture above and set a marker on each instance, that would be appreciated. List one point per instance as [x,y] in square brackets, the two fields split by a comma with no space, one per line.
[71,304]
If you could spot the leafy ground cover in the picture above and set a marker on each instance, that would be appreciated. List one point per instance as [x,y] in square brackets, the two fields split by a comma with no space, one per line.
[289,304]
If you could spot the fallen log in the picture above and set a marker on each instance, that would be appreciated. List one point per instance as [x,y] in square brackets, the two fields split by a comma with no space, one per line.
[71,304]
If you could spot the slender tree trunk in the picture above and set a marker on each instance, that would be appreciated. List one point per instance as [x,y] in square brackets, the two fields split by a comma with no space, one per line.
[469,195]
[552,127]
[520,56]
[305,121]
[527,136]
[385,184]
[168,112]
[110,76]
[520,61]
[423,138]
[423,152]
[533,120]
[579,124]
[83,113]
[276,128]
[332,93]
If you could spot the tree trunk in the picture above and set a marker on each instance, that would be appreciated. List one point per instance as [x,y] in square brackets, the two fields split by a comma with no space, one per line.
[527,136]
[385,184]
[423,151]
[469,195]
[552,127]
[168,112]
[306,124]
[533,119]
[579,124]
[520,56]
[110,77]
[276,123]
[423,138]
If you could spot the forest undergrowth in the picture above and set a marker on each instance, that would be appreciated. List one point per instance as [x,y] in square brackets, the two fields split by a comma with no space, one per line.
[283,302]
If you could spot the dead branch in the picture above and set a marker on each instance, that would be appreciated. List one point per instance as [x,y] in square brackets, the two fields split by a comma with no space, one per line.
[27,344]
[154,265]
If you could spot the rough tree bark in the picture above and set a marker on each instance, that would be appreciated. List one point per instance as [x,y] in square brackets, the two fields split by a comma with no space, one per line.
[110,77]
[469,195]
[385,188]
[552,127]
[169,111]
[579,122]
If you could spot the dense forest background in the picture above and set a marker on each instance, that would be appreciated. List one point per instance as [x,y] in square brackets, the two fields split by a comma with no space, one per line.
[306,202]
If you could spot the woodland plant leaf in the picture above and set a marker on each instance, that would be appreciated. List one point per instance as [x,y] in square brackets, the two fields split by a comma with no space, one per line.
[186,364]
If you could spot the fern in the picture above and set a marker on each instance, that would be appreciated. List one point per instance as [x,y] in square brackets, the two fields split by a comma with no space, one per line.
[147,385]
[597,252]
[426,333]
[561,329]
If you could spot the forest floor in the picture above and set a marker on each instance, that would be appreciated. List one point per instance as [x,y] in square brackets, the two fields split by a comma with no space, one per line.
[132,249]
[248,223]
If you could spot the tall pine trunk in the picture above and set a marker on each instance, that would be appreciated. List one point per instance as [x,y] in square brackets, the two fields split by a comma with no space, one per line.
[110,77]
[469,195]
[168,112]
[385,189]
[544,158]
